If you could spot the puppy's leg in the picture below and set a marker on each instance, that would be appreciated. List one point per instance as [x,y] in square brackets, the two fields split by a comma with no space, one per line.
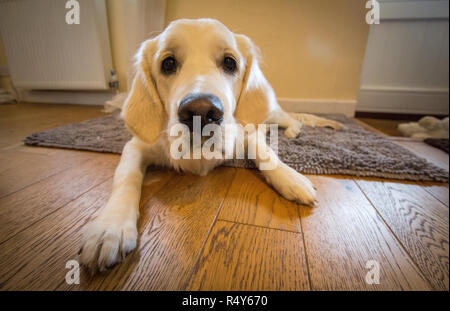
[292,122]
[287,181]
[113,234]
[312,120]
[283,119]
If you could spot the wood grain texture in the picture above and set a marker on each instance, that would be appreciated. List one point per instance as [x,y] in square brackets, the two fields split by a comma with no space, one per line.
[387,127]
[243,257]
[20,120]
[419,221]
[21,169]
[258,241]
[371,128]
[35,259]
[26,110]
[438,190]
[343,233]
[23,208]
[251,201]
[434,155]
[173,226]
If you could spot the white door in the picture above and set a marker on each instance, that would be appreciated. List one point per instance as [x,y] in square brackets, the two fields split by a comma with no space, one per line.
[406,64]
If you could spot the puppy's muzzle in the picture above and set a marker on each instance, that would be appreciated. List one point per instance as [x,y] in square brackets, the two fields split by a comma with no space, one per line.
[207,106]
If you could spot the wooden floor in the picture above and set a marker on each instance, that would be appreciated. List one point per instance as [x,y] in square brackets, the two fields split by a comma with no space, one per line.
[388,127]
[225,231]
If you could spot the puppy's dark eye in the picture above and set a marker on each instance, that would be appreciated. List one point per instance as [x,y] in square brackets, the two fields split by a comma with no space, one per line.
[229,65]
[169,65]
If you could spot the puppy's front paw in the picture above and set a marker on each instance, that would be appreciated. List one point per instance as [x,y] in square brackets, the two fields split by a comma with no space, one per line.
[293,130]
[292,185]
[334,125]
[106,242]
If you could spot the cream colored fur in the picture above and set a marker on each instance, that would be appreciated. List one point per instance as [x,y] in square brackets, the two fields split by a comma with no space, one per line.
[150,109]
[426,127]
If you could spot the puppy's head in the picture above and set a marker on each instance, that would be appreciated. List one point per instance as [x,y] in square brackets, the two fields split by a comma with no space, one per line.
[195,68]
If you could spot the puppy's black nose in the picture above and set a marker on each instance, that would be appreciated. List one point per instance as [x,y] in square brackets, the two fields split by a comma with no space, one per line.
[207,106]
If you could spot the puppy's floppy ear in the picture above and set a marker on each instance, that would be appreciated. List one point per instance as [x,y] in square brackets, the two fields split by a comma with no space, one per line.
[143,112]
[256,97]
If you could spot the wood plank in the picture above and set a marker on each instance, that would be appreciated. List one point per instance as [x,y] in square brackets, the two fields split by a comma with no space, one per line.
[243,257]
[32,203]
[368,127]
[343,233]
[173,226]
[434,155]
[251,201]
[438,190]
[420,222]
[21,147]
[17,123]
[35,258]
[43,223]
[380,126]
[20,113]
[21,169]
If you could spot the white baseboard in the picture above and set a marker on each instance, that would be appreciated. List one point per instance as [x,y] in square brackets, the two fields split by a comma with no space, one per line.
[93,98]
[335,106]
[403,100]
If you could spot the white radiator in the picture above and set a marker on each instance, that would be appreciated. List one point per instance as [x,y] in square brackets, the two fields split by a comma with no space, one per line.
[46,53]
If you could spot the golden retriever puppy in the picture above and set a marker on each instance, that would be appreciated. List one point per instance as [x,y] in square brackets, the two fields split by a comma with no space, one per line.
[196,73]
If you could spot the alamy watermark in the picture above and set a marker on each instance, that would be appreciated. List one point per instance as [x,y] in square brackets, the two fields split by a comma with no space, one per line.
[73,14]
[213,141]
[73,275]
[373,15]
[373,276]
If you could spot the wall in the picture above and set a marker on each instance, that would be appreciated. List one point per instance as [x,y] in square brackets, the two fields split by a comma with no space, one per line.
[311,49]
[130,23]
[117,39]
[5,80]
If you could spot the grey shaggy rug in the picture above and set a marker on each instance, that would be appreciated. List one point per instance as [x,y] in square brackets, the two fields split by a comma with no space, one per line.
[352,151]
